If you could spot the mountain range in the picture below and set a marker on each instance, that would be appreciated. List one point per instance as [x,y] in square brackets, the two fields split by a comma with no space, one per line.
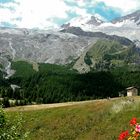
[127,26]
[86,42]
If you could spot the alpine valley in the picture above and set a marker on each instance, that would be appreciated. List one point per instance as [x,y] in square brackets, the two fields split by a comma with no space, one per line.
[78,81]
[78,61]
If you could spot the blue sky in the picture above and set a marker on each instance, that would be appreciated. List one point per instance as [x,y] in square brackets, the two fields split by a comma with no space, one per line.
[46,14]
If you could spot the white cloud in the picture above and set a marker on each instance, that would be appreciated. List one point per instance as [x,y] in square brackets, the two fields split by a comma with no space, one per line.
[78,2]
[34,13]
[39,13]
[8,5]
[125,6]
[81,3]
[43,8]
[80,11]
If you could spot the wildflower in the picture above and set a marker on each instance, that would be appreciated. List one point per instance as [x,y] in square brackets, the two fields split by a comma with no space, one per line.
[135,131]
[123,135]
[137,128]
[133,121]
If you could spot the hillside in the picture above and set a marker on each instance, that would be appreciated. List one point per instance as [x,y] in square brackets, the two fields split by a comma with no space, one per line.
[99,119]
[110,54]
[70,42]
[51,83]
[37,46]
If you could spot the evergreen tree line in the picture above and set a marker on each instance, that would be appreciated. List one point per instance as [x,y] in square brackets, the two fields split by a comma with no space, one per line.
[54,87]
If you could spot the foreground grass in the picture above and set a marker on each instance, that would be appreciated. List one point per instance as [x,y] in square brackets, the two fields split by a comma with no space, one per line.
[98,120]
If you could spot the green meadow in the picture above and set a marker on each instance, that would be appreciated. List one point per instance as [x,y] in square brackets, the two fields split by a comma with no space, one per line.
[97,120]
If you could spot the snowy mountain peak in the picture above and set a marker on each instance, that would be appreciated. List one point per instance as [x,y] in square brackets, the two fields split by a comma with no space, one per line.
[131,18]
[94,21]
[86,23]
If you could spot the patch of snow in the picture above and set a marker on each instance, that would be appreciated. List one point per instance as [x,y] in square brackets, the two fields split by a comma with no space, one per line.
[8,70]
[13,50]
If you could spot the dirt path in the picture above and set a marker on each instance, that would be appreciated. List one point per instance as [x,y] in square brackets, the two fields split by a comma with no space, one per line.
[45,106]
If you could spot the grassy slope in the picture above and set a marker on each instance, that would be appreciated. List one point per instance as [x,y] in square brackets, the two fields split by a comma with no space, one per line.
[26,69]
[112,52]
[54,68]
[98,120]
[103,47]
[23,68]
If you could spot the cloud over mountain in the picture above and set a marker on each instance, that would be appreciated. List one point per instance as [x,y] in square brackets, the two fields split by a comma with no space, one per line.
[47,14]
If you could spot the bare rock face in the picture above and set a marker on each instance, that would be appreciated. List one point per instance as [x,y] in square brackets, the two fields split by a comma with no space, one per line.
[47,46]
[39,46]
[43,47]
[94,21]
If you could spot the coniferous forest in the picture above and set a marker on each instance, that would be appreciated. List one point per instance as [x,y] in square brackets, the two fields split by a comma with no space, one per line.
[53,84]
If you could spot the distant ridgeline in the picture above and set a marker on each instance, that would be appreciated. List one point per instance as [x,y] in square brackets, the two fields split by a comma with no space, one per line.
[52,83]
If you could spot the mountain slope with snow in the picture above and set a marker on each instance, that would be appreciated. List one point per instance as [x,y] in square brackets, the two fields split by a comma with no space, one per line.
[86,23]
[133,17]
[126,26]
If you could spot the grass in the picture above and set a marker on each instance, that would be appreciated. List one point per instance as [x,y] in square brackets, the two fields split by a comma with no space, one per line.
[102,47]
[98,120]
[49,68]
[23,68]
[110,54]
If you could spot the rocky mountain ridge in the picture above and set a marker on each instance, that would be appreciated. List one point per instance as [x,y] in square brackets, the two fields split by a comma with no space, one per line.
[86,22]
